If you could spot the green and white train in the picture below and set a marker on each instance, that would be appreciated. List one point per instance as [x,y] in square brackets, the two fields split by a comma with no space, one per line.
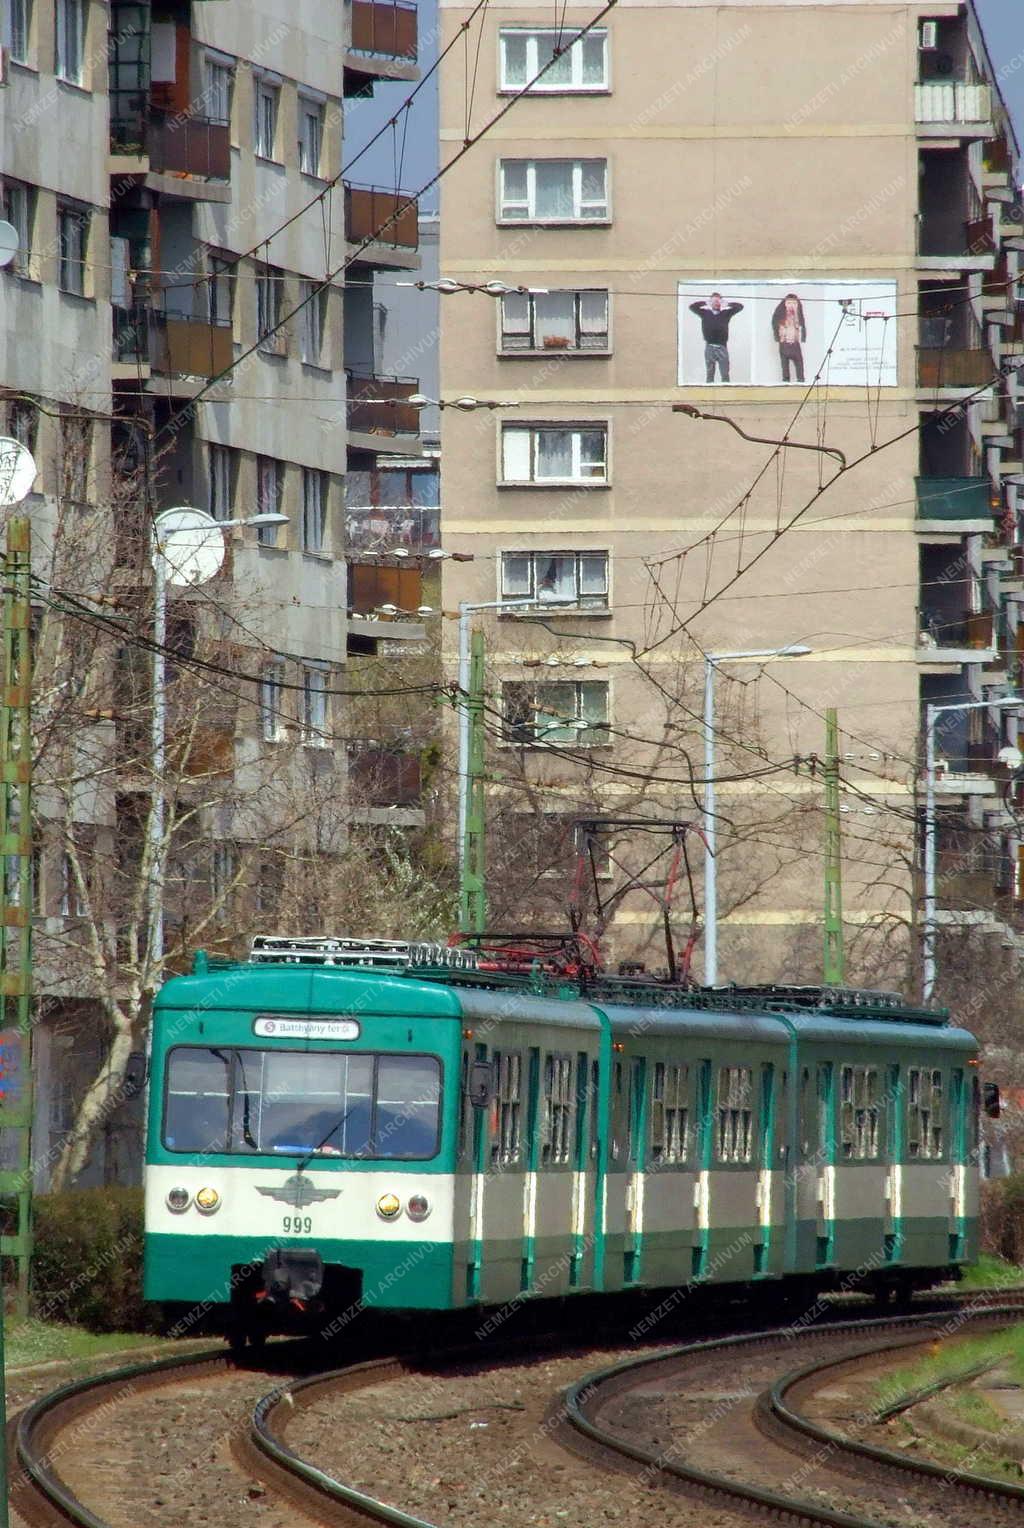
[336,1124]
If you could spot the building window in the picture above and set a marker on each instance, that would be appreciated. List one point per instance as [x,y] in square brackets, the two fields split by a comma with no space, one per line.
[735,1115]
[75,459]
[23,422]
[268,309]
[314,304]
[314,706]
[19,19]
[566,712]
[72,900]
[858,1113]
[265,130]
[311,135]
[570,321]
[572,578]
[269,474]
[581,67]
[222,877]
[554,454]
[220,79]
[553,190]
[19,208]
[272,702]
[221,496]
[220,287]
[72,242]
[506,1143]
[558,1110]
[924,1113]
[670,1112]
[70,36]
[313,498]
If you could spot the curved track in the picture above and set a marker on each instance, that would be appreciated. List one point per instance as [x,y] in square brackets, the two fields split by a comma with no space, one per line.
[776,1413]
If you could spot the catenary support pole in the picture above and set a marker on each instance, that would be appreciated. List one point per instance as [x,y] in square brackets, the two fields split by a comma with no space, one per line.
[472,888]
[835,957]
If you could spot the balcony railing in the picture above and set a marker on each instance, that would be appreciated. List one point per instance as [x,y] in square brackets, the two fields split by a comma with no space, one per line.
[377,405]
[382,777]
[170,343]
[953,368]
[956,498]
[368,210]
[386,27]
[377,527]
[950,101]
[975,631]
[372,584]
[176,145]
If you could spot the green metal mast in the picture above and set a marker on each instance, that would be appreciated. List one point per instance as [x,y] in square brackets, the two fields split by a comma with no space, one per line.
[835,960]
[472,889]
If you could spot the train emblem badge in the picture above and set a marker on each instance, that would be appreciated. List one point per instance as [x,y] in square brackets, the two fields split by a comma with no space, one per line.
[299,1192]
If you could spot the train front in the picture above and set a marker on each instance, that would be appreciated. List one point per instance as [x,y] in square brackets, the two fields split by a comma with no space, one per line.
[301,1145]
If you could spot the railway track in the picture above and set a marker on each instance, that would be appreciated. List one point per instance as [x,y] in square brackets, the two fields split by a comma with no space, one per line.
[42,1498]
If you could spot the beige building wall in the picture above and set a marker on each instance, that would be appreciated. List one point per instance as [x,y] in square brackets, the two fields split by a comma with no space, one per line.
[743,141]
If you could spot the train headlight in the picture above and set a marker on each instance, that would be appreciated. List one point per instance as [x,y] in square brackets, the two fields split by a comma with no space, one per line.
[388,1206]
[178,1199]
[207,1200]
[418,1207]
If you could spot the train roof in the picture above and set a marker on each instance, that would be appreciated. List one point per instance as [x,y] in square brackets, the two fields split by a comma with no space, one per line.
[408,980]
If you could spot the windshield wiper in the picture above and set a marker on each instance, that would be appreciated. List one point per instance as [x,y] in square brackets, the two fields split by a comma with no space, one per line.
[247,1135]
[304,1163]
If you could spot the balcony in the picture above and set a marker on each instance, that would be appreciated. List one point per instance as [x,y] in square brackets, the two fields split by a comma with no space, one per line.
[953,109]
[370,215]
[394,505]
[954,368]
[377,405]
[383,43]
[384,777]
[955,501]
[955,640]
[171,345]
[182,156]
[372,585]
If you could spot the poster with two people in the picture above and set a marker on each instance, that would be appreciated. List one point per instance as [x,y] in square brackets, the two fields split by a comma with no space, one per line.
[770,333]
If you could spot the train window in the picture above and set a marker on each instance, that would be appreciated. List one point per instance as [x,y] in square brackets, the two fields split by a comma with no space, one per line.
[735,1116]
[406,1106]
[465,1134]
[806,1113]
[508,1071]
[620,1115]
[670,1112]
[558,1107]
[593,1107]
[198,1096]
[924,1113]
[858,1113]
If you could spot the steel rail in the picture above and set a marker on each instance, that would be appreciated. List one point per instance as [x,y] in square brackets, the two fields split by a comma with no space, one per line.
[583,1401]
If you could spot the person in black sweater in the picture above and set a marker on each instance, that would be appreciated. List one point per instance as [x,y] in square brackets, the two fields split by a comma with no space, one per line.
[715,317]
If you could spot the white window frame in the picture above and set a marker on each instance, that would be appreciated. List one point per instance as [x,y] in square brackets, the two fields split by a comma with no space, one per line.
[545,720]
[558,1109]
[18,29]
[269,281]
[315,705]
[269,470]
[218,87]
[272,721]
[72,257]
[926,1114]
[222,875]
[507,1140]
[670,1113]
[534,62]
[220,465]
[72,903]
[577,476]
[734,1114]
[19,202]
[311,147]
[601,215]
[537,557]
[314,510]
[860,1113]
[536,345]
[266,94]
[69,40]
[311,328]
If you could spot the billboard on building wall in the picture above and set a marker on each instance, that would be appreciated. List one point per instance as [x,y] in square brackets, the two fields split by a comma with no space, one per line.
[773,333]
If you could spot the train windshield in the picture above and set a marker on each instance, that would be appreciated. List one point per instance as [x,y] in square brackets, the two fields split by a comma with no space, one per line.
[294,1103]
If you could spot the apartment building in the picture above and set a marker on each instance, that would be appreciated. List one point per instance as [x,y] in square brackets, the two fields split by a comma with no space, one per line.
[193,301]
[799,218]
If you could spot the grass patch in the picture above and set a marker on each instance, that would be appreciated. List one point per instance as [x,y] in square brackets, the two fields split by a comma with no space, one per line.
[949,1360]
[34,1342]
[991,1273]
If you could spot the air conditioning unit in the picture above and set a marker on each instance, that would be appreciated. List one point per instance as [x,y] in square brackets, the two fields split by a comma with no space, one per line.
[929,36]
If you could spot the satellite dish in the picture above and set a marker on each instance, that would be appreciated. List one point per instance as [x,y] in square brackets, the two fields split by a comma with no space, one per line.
[190,544]
[17,470]
[8,243]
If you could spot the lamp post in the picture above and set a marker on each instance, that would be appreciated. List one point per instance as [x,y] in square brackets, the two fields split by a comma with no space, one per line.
[930,920]
[711,660]
[183,553]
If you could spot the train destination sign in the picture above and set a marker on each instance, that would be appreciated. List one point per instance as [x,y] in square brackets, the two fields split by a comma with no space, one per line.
[306,1029]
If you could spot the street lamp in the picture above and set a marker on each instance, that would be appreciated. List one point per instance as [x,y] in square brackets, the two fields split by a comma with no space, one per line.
[711,660]
[184,555]
[930,920]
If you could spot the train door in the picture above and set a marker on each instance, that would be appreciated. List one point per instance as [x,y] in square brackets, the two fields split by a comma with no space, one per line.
[892,1235]
[862,1169]
[825,1217]
[501,1177]
[635,1157]
[551,1196]
[766,1187]
[581,1261]
[705,1144]
[959,1102]
[616,1172]
[805,1168]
